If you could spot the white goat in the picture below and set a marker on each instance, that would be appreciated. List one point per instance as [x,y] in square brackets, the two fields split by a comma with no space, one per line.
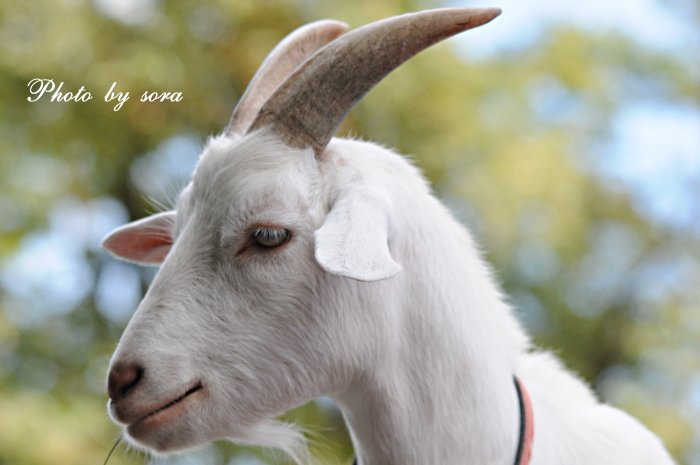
[296,266]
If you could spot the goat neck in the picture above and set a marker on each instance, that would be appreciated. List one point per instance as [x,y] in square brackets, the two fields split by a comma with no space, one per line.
[436,385]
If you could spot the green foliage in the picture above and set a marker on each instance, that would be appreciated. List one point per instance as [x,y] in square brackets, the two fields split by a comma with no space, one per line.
[520,174]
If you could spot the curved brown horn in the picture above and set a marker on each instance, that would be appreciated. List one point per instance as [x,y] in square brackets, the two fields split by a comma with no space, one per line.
[292,51]
[307,109]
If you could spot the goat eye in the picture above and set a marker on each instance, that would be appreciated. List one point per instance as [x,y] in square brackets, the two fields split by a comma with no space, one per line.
[270,237]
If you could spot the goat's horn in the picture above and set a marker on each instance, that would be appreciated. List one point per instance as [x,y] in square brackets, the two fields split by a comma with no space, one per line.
[310,105]
[293,50]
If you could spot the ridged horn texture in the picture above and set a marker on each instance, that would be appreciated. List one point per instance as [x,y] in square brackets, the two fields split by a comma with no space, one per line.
[309,106]
[292,51]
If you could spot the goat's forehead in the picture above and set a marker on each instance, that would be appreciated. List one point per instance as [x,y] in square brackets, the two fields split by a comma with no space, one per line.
[253,169]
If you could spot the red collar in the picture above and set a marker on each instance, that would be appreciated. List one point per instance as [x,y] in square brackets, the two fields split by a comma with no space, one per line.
[527,425]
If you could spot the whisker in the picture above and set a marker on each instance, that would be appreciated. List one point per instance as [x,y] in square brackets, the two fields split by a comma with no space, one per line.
[113,447]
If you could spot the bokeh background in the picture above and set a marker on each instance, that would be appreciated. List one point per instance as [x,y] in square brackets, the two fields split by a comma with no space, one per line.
[565,134]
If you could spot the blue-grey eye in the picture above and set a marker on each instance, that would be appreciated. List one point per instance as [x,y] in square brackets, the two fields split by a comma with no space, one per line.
[270,237]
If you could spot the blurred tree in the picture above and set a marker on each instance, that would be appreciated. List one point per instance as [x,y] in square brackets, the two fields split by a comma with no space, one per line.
[513,144]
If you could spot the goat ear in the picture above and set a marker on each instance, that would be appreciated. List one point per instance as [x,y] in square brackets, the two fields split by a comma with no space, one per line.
[353,241]
[146,241]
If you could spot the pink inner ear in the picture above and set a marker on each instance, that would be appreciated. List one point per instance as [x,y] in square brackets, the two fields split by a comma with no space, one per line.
[146,241]
[145,245]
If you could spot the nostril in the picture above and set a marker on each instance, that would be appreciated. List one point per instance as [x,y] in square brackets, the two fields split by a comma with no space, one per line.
[123,377]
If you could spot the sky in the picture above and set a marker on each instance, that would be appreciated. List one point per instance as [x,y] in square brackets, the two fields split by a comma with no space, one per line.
[650,22]
[654,150]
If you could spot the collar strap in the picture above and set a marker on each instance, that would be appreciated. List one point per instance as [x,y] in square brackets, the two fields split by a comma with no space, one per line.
[527,425]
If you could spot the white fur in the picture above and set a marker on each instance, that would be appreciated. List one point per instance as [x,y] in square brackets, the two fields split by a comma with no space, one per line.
[381,300]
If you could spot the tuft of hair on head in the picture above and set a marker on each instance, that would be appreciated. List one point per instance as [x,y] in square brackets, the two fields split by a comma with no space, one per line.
[170,194]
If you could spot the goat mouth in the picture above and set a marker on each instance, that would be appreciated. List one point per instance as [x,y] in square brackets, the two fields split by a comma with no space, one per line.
[160,410]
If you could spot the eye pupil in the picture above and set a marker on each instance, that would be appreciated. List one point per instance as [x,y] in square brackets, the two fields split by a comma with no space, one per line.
[270,237]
